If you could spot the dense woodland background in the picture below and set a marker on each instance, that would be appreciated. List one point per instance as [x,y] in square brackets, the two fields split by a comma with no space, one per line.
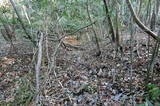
[79,53]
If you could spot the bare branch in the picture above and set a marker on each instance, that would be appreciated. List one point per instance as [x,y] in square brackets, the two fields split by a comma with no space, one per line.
[139,23]
[22,24]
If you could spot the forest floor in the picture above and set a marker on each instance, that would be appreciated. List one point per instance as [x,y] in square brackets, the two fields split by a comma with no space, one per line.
[80,76]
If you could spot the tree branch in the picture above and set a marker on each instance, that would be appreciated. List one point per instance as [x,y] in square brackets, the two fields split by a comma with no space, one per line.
[22,24]
[139,23]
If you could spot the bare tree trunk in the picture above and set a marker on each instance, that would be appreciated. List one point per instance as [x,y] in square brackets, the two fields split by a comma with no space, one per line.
[117,26]
[157,6]
[153,20]
[140,8]
[118,45]
[98,52]
[148,12]
[37,67]
[153,59]
[152,27]
[132,32]
[109,21]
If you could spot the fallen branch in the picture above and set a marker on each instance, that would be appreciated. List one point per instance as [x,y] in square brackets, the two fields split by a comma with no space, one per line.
[66,45]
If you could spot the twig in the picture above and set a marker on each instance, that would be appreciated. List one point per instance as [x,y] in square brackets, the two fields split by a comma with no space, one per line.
[74,31]
[83,27]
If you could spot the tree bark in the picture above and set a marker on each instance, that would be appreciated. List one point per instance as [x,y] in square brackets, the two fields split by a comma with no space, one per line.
[109,21]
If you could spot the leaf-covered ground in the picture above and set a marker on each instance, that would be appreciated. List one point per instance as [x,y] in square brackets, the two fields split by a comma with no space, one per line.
[80,77]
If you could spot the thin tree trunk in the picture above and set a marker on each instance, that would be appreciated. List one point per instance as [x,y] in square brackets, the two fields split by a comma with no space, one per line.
[98,53]
[153,59]
[111,31]
[152,27]
[157,6]
[148,12]
[131,56]
[22,24]
[118,45]
[38,66]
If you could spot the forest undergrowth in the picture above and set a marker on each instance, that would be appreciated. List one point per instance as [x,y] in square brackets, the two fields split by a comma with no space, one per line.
[82,78]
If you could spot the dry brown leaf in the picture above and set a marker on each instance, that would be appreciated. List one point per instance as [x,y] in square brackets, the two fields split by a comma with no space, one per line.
[7,61]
